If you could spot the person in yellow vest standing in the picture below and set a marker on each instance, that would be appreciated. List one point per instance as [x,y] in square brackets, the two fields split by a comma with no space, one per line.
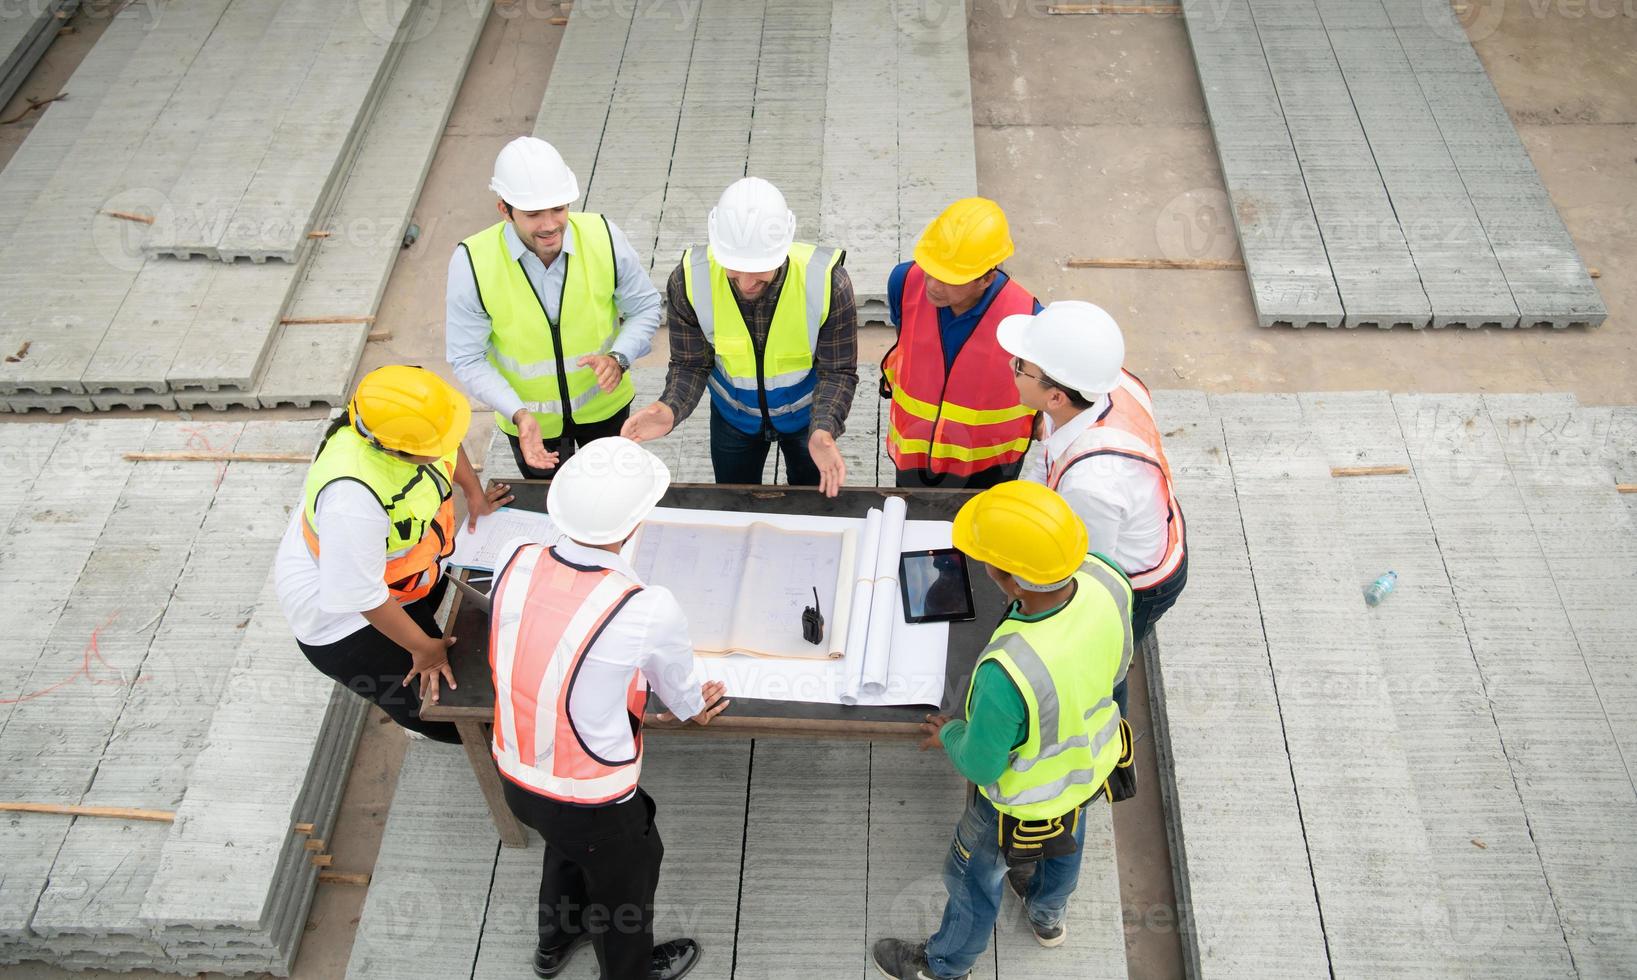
[359,571]
[576,640]
[1042,733]
[1102,449]
[954,420]
[769,325]
[546,310]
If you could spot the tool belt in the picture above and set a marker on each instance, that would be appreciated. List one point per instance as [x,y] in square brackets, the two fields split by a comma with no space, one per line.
[1027,841]
[1122,782]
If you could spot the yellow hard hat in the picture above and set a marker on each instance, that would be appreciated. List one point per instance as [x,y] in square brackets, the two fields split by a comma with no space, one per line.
[411,410]
[1023,528]
[968,239]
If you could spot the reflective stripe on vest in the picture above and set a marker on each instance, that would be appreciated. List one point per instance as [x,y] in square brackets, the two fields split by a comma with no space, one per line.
[1128,429]
[968,419]
[418,499]
[545,615]
[1073,739]
[787,377]
[524,344]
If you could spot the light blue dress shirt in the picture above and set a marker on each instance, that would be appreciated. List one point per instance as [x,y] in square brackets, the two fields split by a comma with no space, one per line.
[466,339]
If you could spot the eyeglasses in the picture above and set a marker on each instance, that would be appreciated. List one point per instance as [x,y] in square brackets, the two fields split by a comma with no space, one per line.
[1017,371]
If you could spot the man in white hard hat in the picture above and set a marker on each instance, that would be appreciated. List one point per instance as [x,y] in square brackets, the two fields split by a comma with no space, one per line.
[546,310]
[1102,449]
[769,325]
[576,642]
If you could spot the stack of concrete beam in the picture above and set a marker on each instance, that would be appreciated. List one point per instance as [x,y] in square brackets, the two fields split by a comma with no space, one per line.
[228,173]
[160,677]
[1434,786]
[1376,178]
[658,107]
[26,31]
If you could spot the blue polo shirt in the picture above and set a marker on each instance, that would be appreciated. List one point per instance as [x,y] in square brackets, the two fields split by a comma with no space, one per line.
[954,330]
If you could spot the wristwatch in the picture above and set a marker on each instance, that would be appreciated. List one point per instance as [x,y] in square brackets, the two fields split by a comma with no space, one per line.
[619,359]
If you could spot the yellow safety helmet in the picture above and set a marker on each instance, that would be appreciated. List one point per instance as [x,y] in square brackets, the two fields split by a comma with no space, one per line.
[968,239]
[1023,528]
[410,410]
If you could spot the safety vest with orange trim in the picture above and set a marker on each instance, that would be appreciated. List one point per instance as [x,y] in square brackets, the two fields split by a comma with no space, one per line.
[419,500]
[963,420]
[545,613]
[1128,429]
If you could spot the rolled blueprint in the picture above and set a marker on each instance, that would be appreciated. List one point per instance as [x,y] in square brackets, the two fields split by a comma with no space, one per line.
[884,601]
[858,625]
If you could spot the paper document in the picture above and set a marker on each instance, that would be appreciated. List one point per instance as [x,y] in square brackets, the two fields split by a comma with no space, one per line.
[481,548]
[744,587]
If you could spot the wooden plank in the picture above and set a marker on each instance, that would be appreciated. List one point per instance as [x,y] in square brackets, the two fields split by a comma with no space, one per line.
[112,812]
[787,922]
[1244,885]
[1499,903]
[1563,735]
[1197,265]
[1369,853]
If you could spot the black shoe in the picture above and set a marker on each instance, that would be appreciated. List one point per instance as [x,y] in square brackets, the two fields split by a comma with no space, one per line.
[674,959]
[552,960]
[902,960]
[1048,936]
[1018,878]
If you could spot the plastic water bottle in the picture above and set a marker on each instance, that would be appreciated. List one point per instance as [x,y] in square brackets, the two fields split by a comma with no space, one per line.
[1378,589]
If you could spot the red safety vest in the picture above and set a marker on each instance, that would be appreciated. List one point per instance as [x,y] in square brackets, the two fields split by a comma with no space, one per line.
[1128,429]
[963,421]
[545,615]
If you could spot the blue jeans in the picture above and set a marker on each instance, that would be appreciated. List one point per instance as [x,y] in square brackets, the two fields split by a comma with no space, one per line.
[739,457]
[975,875]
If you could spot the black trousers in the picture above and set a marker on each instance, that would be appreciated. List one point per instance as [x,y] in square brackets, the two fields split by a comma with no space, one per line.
[575,434]
[598,876]
[1146,610]
[738,457]
[370,665]
[981,480]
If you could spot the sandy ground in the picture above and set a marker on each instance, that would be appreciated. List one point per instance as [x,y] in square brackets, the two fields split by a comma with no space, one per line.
[1091,131]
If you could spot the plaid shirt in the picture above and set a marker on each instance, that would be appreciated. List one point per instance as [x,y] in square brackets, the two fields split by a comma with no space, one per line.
[835,359]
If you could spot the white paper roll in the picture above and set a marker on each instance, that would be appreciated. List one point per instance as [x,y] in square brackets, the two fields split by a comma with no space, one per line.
[858,624]
[884,602]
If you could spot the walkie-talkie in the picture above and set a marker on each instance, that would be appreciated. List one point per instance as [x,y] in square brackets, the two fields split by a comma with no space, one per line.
[812,621]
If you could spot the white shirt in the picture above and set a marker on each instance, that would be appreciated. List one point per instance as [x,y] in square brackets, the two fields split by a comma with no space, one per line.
[649,633]
[1121,500]
[322,599]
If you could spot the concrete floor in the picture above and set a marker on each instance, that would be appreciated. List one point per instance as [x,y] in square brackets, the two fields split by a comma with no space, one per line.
[1091,131]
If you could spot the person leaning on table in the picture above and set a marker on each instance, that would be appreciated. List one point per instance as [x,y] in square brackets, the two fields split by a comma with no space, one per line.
[770,326]
[1042,733]
[359,572]
[576,640]
[546,310]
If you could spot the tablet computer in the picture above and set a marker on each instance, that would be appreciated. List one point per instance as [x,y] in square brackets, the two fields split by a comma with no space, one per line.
[935,586]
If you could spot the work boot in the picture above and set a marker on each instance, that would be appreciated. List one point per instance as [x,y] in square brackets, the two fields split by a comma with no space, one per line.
[552,960]
[673,960]
[1018,878]
[901,960]
[1049,936]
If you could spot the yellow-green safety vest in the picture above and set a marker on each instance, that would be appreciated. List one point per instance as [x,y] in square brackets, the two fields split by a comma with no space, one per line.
[537,357]
[418,500]
[785,378]
[1065,665]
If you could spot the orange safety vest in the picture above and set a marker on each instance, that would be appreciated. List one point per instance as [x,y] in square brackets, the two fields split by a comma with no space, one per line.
[1128,429]
[419,501]
[968,419]
[545,614]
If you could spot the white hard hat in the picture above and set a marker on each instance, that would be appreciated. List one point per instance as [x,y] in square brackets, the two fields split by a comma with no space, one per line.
[751,227]
[530,175]
[1076,344]
[601,493]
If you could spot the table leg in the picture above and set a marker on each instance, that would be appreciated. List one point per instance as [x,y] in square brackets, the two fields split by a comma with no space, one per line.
[474,737]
